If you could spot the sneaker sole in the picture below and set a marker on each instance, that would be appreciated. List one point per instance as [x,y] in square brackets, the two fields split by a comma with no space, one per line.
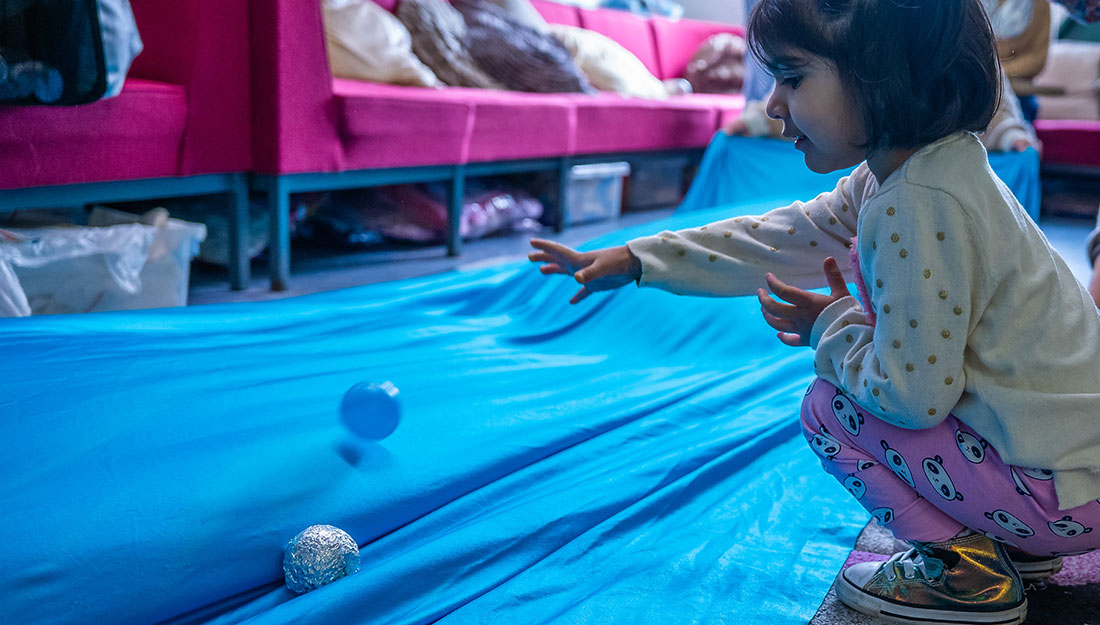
[890,612]
[1032,571]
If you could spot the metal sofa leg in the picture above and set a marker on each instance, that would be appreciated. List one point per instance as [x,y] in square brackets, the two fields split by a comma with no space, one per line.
[455,194]
[240,267]
[563,188]
[278,247]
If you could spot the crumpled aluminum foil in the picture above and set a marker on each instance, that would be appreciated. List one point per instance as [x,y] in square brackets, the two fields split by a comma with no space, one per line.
[319,555]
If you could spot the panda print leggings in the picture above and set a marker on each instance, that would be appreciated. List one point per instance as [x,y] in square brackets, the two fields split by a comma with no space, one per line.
[928,484]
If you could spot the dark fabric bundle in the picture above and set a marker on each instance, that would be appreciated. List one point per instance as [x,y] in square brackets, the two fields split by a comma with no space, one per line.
[517,55]
[51,52]
[439,40]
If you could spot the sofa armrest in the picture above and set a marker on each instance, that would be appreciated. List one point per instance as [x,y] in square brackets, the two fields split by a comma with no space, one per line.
[202,45]
[294,114]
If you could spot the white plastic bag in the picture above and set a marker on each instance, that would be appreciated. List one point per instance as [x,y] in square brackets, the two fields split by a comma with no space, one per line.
[63,270]
[13,303]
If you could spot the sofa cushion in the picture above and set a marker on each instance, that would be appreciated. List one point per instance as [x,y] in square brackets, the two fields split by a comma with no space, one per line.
[365,42]
[1074,68]
[1069,142]
[728,105]
[557,13]
[439,39]
[510,125]
[609,123]
[467,125]
[630,30]
[608,65]
[516,55]
[677,41]
[384,126]
[137,134]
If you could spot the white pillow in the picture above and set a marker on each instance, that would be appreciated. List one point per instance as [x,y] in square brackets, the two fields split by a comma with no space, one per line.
[366,42]
[121,41]
[608,65]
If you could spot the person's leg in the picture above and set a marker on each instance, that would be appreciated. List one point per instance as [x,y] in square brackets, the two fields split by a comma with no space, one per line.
[1092,244]
[942,479]
[837,430]
[949,575]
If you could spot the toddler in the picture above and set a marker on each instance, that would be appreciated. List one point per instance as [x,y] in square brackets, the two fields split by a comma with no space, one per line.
[958,398]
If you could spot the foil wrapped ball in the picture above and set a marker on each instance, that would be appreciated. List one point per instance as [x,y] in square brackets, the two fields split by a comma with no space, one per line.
[319,555]
[371,410]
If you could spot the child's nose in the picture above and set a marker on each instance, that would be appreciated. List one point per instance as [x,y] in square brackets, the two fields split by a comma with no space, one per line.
[776,108]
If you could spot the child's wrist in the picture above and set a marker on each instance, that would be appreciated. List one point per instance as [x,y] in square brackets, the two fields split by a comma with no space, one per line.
[634,265]
[828,315]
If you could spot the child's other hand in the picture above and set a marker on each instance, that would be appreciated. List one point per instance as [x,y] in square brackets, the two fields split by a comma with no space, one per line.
[736,127]
[600,270]
[796,319]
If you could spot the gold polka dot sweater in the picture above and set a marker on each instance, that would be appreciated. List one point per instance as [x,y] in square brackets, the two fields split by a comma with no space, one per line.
[974,313]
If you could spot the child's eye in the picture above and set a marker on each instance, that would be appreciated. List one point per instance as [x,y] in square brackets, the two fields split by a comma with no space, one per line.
[791,81]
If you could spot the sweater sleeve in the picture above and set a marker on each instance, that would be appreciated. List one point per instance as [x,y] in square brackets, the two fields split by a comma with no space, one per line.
[730,257]
[921,271]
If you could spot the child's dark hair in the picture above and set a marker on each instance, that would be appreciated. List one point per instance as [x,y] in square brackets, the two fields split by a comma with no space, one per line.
[919,69]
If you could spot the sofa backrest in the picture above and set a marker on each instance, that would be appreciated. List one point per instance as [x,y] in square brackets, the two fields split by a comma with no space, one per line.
[202,45]
[294,113]
[631,31]
[677,41]
[558,13]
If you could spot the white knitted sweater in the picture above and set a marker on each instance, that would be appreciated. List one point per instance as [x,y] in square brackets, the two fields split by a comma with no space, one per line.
[976,314]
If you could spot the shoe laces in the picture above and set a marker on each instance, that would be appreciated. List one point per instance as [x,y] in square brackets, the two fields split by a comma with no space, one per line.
[919,559]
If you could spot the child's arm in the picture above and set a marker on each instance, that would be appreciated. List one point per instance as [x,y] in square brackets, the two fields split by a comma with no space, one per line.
[601,270]
[730,257]
[918,258]
[1008,130]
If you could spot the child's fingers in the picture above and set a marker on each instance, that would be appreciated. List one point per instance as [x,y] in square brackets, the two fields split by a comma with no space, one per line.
[586,275]
[785,291]
[769,305]
[794,340]
[835,278]
[541,257]
[552,247]
[580,295]
[783,325]
[553,268]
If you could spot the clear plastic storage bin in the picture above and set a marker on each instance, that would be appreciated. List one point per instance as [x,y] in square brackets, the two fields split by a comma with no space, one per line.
[86,269]
[594,192]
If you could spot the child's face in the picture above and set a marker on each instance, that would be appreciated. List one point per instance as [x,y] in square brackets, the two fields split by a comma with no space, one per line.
[816,109]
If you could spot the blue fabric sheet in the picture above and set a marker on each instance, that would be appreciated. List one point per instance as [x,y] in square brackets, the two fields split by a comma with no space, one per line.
[742,170]
[635,459]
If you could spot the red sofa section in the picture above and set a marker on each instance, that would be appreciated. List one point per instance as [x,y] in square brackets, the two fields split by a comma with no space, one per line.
[181,125]
[184,109]
[1070,144]
[306,122]
[312,132]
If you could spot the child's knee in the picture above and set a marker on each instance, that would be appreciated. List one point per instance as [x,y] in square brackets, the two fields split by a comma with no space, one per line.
[815,407]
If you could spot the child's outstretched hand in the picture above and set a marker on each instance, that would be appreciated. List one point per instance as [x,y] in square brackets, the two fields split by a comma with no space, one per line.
[796,319]
[600,270]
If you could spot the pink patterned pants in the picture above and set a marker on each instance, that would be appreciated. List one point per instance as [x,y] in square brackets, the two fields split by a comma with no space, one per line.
[928,484]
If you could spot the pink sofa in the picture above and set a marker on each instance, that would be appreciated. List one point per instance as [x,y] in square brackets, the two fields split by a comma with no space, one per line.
[181,125]
[1070,145]
[313,132]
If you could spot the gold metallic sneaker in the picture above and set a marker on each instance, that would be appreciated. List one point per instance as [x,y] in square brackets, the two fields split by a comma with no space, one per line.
[1034,568]
[963,581]
[1031,568]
